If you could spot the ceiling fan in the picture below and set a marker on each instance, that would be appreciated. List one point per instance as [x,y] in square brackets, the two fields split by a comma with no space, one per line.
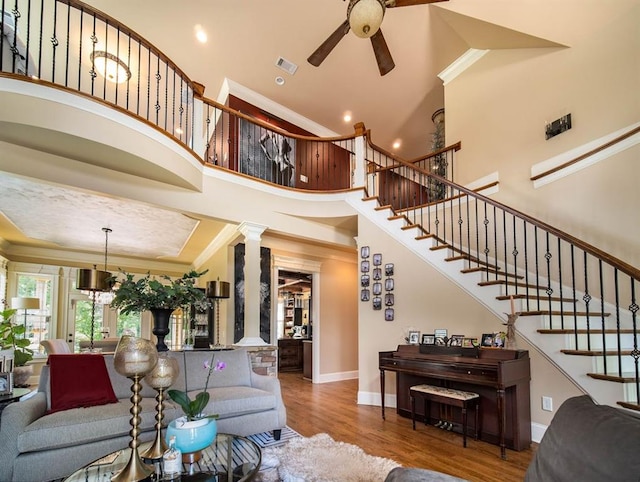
[364,18]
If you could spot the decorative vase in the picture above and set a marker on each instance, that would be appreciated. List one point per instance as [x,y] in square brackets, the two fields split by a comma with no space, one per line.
[192,436]
[21,375]
[161,319]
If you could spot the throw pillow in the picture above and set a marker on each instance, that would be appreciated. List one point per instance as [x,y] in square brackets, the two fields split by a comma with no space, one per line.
[79,381]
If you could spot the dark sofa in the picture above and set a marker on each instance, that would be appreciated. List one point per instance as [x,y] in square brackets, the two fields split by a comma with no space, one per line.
[589,443]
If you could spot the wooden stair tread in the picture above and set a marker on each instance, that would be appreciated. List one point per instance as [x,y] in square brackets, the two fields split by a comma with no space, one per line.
[595,352]
[630,405]
[509,283]
[625,378]
[396,217]
[425,236]
[581,331]
[382,208]
[534,298]
[565,313]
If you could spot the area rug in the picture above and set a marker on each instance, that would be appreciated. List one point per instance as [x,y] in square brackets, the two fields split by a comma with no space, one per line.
[321,459]
[265,439]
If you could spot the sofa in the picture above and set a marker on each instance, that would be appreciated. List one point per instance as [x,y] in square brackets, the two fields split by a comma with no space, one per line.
[37,444]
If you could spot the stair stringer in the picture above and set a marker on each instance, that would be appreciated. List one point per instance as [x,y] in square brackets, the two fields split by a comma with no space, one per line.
[575,368]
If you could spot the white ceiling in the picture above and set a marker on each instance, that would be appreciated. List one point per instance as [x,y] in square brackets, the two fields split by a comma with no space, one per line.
[245,38]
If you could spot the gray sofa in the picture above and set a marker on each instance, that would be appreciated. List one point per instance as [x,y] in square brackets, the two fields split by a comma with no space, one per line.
[585,442]
[38,446]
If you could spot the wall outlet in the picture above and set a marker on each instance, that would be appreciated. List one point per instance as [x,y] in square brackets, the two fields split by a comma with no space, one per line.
[547,404]
[304,178]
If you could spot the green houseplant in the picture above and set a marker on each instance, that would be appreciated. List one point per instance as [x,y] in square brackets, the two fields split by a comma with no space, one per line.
[12,337]
[160,295]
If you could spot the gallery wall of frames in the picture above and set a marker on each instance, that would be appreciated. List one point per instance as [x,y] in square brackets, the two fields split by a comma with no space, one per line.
[377,282]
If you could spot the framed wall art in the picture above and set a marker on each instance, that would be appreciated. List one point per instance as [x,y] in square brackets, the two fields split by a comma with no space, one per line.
[364,266]
[377,259]
[377,288]
[388,314]
[377,303]
[365,295]
[388,269]
[364,280]
[364,252]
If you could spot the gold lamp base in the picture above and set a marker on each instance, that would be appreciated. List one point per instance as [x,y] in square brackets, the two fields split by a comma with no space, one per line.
[134,470]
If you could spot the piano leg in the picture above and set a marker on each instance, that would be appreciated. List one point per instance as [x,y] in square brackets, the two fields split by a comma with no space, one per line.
[382,392]
[502,422]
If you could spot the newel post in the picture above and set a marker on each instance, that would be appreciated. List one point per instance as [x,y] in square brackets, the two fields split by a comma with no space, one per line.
[359,177]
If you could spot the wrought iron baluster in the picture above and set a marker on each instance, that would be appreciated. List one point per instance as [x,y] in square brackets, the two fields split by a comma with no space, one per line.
[549,291]
[560,284]
[587,298]
[515,256]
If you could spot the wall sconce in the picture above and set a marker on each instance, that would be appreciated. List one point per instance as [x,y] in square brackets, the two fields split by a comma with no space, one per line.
[110,67]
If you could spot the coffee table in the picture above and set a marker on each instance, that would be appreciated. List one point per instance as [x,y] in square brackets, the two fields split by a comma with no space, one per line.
[230,458]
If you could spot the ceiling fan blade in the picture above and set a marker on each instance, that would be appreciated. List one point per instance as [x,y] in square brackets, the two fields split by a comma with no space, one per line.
[317,57]
[383,56]
[409,3]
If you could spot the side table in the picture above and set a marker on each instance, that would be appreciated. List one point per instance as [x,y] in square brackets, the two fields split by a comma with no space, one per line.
[230,458]
[15,396]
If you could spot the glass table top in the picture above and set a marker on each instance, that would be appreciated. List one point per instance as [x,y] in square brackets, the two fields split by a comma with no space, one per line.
[230,458]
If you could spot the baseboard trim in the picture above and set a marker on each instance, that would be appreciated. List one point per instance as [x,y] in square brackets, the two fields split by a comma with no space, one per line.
[336,377]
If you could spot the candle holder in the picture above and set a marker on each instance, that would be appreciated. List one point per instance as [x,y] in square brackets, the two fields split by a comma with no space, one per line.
[160,378]
[134,358]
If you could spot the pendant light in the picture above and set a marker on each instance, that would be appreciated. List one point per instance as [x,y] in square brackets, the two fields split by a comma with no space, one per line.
[94,281]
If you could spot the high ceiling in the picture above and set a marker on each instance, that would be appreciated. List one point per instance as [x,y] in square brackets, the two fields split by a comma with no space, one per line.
[245,39]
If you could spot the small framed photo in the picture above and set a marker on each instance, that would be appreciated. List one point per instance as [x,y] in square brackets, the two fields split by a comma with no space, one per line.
[377,303]
[365,295]
[364,266]
[377,259]
[364,280]
[456,340]
[377,288]
[487,339]
[364,252]
[388,269]
[441,340]
[388,299]
[388,314]
[377,274]
[469,342]
[414,337]
[428,339]
[440,332]
[388,284]
[499,339]
[5,383]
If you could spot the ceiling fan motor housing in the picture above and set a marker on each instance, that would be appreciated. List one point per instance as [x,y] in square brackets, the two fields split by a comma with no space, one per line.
[365,16]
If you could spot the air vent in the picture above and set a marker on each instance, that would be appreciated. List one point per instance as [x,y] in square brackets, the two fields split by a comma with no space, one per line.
[287,66]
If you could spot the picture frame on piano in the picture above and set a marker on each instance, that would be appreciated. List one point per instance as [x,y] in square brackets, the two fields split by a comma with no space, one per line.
[428,339]
[414,337]
[487,340]
[456,340]
[469,342]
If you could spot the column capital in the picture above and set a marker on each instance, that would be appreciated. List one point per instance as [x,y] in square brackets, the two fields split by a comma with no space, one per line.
[252,231]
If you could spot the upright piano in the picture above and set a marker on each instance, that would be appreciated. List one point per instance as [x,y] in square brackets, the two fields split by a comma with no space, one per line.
[501,377]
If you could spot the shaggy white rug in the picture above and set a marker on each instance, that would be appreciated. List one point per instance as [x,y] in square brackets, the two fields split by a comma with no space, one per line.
[321,459]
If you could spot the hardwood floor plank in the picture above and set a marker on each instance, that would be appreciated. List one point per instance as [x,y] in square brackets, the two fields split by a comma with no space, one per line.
[331,408]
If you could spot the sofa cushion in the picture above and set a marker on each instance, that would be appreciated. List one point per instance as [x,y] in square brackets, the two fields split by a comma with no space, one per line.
[588,442]
[78,426]
[194,377]
[79,381]
[234,401]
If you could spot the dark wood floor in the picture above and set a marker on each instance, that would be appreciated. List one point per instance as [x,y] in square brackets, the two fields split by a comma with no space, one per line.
[331,408]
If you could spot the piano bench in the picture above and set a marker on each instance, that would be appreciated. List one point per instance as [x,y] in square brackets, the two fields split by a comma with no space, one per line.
[445,396]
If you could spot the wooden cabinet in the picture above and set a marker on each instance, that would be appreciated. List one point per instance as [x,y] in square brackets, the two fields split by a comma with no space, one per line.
[290,354]
[307,367]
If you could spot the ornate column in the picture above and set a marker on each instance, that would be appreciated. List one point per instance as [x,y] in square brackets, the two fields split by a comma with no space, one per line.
[252,236]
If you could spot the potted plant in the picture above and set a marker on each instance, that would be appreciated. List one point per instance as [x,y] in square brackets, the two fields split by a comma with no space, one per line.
[12,339]
[160,295]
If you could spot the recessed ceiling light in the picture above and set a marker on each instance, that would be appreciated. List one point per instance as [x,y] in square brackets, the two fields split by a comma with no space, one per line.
[347,117]
[201,34]
[280,80]
[397,144]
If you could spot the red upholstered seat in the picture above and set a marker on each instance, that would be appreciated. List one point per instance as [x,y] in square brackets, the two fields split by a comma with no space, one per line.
[79,381]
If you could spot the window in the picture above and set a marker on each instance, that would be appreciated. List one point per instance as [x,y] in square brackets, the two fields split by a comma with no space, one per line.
[37,322]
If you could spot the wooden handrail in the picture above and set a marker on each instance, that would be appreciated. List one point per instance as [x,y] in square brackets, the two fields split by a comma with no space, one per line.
[592,152]
[586,247]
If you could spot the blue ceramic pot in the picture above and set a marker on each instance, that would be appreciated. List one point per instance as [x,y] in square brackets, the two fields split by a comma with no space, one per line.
[192,436]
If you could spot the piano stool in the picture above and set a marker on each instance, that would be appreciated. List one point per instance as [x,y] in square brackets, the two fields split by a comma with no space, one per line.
[445,396]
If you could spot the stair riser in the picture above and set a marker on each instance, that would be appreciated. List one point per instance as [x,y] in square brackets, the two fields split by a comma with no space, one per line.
[569,322]
[611,340]
[628,364]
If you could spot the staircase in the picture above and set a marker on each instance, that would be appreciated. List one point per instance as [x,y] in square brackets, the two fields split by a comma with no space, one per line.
[576,304]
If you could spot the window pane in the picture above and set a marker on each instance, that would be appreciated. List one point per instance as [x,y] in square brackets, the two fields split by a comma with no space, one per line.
[37,322]
[83,322]
[129,324]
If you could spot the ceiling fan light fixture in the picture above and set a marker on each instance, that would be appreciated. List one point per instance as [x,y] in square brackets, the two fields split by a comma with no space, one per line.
[110,67]
[365,16]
